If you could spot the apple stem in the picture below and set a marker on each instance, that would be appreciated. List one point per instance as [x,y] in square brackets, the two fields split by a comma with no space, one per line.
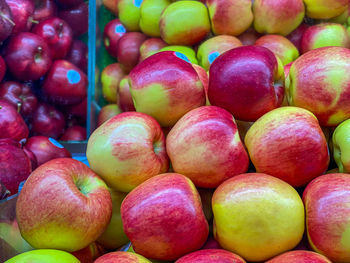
[19,106]
[35,21]
[7,19]
[0,107]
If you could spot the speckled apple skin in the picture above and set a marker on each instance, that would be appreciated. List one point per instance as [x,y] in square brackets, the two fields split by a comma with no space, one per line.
[211,255]
[121,257]
[325,9]
[299,256]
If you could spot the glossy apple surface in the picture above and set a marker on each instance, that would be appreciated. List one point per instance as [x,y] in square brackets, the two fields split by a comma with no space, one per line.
[44,256]
[77,17]
[129,14]
[78,54]
[324,9]
[300,256]
[44,9]
[211,255]
[5,21]
[112,32]
[122,256]
[22,13]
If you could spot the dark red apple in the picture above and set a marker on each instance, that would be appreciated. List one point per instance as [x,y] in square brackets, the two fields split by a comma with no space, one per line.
[15,166]
[20,95]
[57,34]
[113,31]
[74,133]
[3,191]
[69,3]
[48,121]
[6,21]
[65,84]
[28,56]
[78,110]
[22,12]
[12,124]
[2,68]
[44,9]
[78,54]
[77,17]
[31,157]
[128,50]
[46,149]
[296,36]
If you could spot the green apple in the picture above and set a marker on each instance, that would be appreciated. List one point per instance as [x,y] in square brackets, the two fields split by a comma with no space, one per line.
[341,146]
[129,14]
[187,51]
[44,256]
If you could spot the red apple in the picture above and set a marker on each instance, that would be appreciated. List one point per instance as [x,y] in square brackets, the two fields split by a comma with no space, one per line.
[12,124]
[15,166]
[125,100]
[57,34]
[69,3]
[78,110]
[2,68]
[48,121]
[211,243]
[28,56]
[77,17]
[128,50]
[63,198]
[211,255]
[113,31]
[296,35]
[31,157]
[65,83]
[247,81]
[122,257]
[110,79]
[209,158]
[74,133]
[20,95]
[44,9]
[6,21]
[249,36]
[46,149]
[22,12]
[107,112]
[78,54]
[151,46]
[89,253]
[300,256]
[154,211]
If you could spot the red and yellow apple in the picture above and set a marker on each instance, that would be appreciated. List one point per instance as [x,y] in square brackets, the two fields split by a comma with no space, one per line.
[151,46]
[125,100]
[121,257]
[325,9]
[110,79]
[211,255]
[341,146]
[107,112]
[299,256]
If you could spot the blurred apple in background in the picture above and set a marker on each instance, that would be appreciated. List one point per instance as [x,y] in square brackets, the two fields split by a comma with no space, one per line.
[245,220]
[326,202]
[112,6]
[68,3]
[300,256]
[151,46]
[3,67]
[325,9]
[211,243]
[277,17]
[32,158]
[161,96]
[129,14]
[74,133]
[296,36]
[127,150]
[107,112]
[27,56]
[249,36]
[12,125]
[6,21]
[64,198]
[324,35]
[122,256]
[44,255]
[206,195]
[78,54]
[46,149]
[247,81]
[189,52]
[210,49]
[77,17]
[110,79]
[153,212]
[89,253]
[22,15]
[318,81]
[125,100]
[280,46]
[341,146]
[211,255]
[177,26]
[77,110]
[294,138]
[230,17]
[112,32]
[44,9]
[209,158]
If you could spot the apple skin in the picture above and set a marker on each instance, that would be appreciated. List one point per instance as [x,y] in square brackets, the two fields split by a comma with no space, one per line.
[123,257]
[129,14]
[318,81]
[278,17]
[12,125]
[46,149]
[77,17]
[74,133]
[65,83]
[112,6]
[44,256]
[247,200]
[107,112]
[187,51]
[287,69]
[324,35]
[341,146]
[20,95]
[177,26]
[280,46]
[57,34]
[65,197]
[230,17]
[150,12]
[296,36]
[28,56]
[299,256]
[242,91]
[326,201]
[133,145]
[203,76]
[78,110]
[2,68]
[125,100]
[210,49]
[88,254]
[325,9]
[6,23]
[78,54]
[112,32]
[128,50]
[302,156]
[161,95]
[15,165]
[47,121]
[114,237]
[110,79]
[209,158]
[211,255]
[152,212]
[22,12]
[211,243]
[249,36]
[150,47]
[44,9]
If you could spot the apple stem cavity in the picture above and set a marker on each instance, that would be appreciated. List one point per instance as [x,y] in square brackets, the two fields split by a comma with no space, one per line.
[156,147]
[19,107]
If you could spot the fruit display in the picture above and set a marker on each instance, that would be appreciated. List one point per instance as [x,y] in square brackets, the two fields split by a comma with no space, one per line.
[213,131]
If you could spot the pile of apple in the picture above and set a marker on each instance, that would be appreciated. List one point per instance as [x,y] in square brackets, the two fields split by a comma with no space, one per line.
[219,144]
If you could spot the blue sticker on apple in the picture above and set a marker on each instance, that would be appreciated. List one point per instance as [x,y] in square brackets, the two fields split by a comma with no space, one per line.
[137,3]
[73,76]
[119,29]
[56,143]
[182,56]
[212,56]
